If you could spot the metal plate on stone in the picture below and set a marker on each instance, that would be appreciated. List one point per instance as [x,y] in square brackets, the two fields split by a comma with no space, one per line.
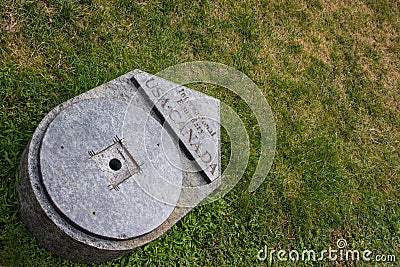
[110,182]
[192,116]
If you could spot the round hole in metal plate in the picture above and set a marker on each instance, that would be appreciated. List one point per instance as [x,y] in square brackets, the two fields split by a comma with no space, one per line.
[115,164]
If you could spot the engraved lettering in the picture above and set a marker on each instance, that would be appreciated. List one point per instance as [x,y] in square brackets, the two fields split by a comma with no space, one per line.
[152,84]
[213,168]
[156,92]
[177,118]
[191,136]
[197,147]
[173,118]
[149,81]
[164,102]
[204,157]
[180,108]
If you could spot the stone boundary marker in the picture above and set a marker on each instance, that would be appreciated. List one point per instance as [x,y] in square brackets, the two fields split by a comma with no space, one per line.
[114,168]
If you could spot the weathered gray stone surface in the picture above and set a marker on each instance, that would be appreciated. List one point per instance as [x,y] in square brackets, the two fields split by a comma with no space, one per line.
[106,202]
[79,201]
[192,116]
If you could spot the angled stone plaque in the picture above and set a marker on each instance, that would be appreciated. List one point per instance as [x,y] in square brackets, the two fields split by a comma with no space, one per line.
[192,116]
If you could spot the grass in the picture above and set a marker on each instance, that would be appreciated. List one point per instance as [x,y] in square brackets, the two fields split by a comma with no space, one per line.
[329,69]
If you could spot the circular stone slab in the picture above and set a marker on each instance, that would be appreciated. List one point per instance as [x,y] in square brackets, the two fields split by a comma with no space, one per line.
[107,184]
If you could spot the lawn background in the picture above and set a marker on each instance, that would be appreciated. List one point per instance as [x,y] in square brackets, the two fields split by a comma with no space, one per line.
[329,69]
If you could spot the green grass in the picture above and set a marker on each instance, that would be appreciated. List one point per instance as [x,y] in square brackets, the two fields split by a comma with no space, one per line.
[330,71]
